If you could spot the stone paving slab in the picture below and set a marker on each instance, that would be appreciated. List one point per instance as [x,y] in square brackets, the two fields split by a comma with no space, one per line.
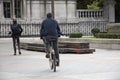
[102,65]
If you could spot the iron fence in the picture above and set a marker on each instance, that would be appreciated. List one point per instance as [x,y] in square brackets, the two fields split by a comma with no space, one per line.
[32,28]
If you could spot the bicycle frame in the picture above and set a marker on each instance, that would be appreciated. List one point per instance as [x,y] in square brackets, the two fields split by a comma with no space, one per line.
[52,59]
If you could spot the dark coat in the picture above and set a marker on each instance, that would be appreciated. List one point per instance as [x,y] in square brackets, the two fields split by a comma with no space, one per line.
[50,27]
[16,30]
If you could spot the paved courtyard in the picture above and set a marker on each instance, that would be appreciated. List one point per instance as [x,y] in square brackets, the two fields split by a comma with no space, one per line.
[101,65]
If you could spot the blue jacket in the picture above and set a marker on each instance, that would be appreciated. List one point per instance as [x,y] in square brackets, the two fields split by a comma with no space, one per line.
[50,27]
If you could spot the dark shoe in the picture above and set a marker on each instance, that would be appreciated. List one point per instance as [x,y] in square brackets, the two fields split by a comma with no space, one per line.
[47,55]
[14,54]
[57,62]
[19,53]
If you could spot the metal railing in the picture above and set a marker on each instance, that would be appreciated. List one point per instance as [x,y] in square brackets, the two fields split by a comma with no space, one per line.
[32,29]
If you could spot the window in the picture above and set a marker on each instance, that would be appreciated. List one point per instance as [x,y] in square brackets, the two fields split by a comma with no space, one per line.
[7,9]
[17,8]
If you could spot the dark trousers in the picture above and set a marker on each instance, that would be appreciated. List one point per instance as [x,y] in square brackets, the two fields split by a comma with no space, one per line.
[47,43]
[16,43]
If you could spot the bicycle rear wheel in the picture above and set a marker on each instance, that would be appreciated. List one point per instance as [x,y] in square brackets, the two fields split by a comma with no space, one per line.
[54,63]
[51,62]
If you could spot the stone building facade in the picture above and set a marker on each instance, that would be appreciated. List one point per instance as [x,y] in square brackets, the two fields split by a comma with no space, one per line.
[36,9]
[30,14]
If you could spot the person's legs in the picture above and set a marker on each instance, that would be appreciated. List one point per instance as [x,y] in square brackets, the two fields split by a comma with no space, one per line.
[47,46]
[55,46]
[14,45]
[18,43]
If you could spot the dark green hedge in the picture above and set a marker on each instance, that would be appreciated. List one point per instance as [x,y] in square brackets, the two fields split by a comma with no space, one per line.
[108,35]
[75,35]
[95,30]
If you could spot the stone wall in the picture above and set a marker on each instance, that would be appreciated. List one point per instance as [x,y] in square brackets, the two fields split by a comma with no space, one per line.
[113,28]
[36,9]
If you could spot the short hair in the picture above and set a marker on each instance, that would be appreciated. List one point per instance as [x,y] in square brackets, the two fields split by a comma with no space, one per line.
[14,21]
[49,15]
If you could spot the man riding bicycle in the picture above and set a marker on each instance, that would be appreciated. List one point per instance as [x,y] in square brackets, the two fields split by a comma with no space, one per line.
[50,29]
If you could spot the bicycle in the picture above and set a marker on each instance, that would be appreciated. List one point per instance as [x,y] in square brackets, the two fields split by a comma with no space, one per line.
[52,59]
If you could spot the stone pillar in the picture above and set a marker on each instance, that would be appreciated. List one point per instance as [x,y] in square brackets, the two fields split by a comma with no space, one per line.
[53,8]
[66,2]
[13,9]
[109,10]
[24,9]
[48,6]
[30,9]
[45,3]
[71,10]
[1,9]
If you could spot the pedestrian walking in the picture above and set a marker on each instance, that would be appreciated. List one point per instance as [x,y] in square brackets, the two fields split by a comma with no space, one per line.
[15,32]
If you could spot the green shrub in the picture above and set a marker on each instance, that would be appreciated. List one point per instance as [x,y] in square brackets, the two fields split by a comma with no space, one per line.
[103,32]
[95,30]
[108,35]
[75,35]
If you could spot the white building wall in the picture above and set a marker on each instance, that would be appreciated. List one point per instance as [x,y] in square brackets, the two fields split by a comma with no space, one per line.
[60,10]
[109,10]
[48,7]
[61,13]
[28,10]
[36,11]
[1,9]
[71,9]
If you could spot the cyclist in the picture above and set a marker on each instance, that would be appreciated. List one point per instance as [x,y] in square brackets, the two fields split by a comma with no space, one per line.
[50,29]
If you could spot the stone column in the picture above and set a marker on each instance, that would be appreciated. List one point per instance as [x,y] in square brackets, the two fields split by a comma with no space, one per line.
[53,8]
[24,9]
[45,3]
[13,9]
[66,2]
[1,9]
[71,9]
[109,10]
[30,9]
